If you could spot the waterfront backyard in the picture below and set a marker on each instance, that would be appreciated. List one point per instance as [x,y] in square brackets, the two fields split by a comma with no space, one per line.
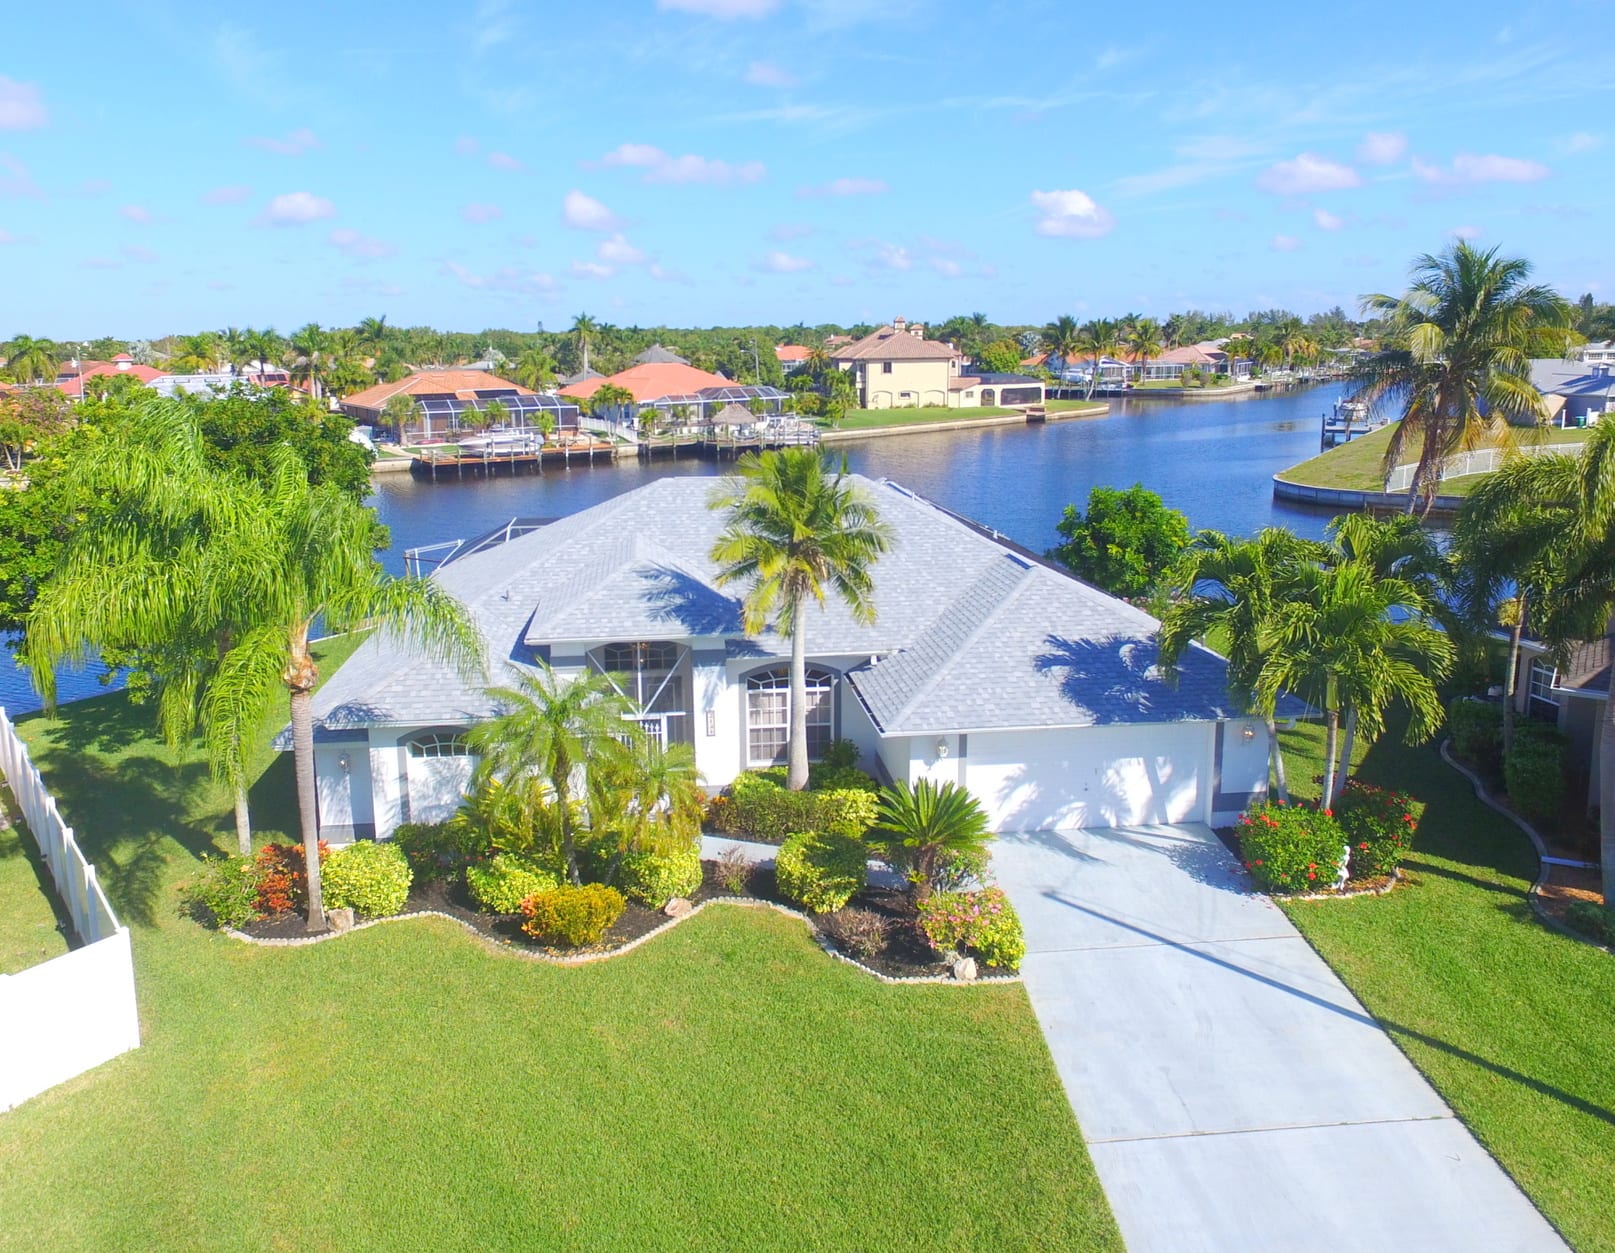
[1358,466]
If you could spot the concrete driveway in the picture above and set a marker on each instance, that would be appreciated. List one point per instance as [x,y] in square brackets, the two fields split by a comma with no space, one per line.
[1233,1093]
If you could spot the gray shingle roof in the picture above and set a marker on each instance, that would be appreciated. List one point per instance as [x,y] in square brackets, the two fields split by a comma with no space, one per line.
[1571,378]
[970,633]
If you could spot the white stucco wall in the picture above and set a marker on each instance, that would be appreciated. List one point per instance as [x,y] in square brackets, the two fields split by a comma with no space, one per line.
[1242,769]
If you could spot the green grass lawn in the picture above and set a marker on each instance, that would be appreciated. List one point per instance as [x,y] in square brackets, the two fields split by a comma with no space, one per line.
[1358,466]
[1510,1021]
[727,1085]
[873,419]
[29,922]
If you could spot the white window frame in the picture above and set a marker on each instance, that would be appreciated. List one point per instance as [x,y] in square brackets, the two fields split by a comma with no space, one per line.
[663,726]
[821,689]
[1540,681]
[445,743]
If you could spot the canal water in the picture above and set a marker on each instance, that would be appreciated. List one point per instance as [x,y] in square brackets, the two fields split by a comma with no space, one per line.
[1213,459]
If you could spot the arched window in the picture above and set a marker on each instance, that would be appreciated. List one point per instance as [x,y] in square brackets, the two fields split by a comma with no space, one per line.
[438,744]
[768,714]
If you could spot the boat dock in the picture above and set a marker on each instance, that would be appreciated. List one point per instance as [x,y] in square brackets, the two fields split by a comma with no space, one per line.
[1350,419]
[492,456]
[722,447]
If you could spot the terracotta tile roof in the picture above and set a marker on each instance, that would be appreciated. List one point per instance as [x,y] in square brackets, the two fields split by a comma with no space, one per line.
[68,382]
[887,344]
[653,381]
[790,352]
[451,382]
[1192,354]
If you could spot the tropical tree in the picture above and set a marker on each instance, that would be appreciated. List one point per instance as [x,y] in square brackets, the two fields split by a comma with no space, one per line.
[1101,338]
[608,399]
[234,345]
[795,531]
[1457,364]
[553,738]
[535,369]
[398,413]
[586,331]
[1144,342]
[924,827]
[265,347]
[310,346]
[1063,339]
[197,354]
[30,360]
[1124,543]
[222,576]
[372,334]
[647,798]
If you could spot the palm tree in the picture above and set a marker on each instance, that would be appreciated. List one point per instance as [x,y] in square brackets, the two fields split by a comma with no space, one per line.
[234,345]
[926,826]
[1229,590]
[534,369]
[31,360]
[649,796]
[265,347]
[197,354]
[552,736]
[311,346]
[1100,339]
[608,399]
[1144,342]
[372,334]
[586,330]
[796,530]
[1063,338]
[1344,639]
[1458,365]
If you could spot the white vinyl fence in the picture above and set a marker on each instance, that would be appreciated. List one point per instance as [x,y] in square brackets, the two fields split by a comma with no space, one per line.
[1481,461]
[63,1016]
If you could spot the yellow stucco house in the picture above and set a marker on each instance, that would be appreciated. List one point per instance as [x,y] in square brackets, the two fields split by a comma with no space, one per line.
[896,367]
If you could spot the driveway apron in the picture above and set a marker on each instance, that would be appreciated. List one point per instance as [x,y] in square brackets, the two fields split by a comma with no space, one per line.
[1234,1095]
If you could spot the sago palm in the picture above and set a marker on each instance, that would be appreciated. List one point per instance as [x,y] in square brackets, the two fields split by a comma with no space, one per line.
[796,531]
[921,828]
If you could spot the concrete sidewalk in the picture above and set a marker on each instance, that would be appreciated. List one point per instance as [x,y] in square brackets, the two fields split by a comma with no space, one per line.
[1234,1095]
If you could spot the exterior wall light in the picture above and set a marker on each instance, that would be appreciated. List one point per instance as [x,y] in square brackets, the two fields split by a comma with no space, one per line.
[942,748]
[1249,732]
[343,762]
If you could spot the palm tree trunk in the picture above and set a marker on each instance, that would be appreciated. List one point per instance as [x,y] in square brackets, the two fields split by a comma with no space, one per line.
[1511,678]
[1330,744]
[562,785]
[1093,379]
[796,773]
[243,822]
[301,677]
[1345,756]
[1280,776]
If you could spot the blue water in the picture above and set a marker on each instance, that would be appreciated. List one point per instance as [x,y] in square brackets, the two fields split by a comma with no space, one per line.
[1214,460]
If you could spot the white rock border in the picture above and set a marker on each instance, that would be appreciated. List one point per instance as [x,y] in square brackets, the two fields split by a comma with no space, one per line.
[583,959]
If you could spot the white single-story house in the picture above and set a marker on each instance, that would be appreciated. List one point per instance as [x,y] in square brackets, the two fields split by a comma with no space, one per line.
[986,665]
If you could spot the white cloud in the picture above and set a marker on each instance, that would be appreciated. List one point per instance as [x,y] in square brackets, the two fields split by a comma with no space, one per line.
[15,180]
[722,9]
[591,269]
[1382,147]
[947,267]
[295,207]
[504,161]
[360,247]
[585,213]
[1284,243]
[135,213]
[1070,214]
[616,250]
[780,262]
[1466,232]
[1306,173]
[294,145]
[21,109]
[137,252]
[844,187]
[770,74]
[1581,141]
[1469,169]
[1327,221]
[505,279]
[891,257]
[663,274]
[480,213]
[233,193]
[661,167]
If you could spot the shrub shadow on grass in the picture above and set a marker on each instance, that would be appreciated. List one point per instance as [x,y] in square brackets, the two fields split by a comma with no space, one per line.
[100,724]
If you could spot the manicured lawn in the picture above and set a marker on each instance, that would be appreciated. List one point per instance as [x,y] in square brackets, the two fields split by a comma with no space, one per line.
[1358,466]
[29,933]
[726,1085]
[871,419]
[1511,1021]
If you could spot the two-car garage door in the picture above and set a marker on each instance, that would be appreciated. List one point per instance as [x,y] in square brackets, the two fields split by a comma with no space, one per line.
[1092,776]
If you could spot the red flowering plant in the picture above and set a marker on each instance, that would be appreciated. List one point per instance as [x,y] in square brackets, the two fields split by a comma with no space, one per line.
[1379,824]
[1291,848]
[283,877]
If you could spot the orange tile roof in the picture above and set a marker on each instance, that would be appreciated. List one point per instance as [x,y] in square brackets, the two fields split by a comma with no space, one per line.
[652,381]
[451,382]
[121,364]
[791,352]
[887,344]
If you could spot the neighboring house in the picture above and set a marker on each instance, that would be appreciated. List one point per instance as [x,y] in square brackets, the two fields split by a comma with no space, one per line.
[1209,356]
[1576,393]
[658,355]
[1572,698]
[671,386]
[896,367]
[446,401]
[1596,352]
[985,666]
[216,383]
[582,376]
[74,377]
[791,357]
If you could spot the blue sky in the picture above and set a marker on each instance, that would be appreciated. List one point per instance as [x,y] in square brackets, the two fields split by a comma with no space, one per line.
[179,166]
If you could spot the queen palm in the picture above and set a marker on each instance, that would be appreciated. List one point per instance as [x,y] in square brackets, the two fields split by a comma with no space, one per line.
[552,738]
[585,330]
[1063,339]
[1459,344]
[1144,342]
[1101,338]
[30,360]
[795,531]
[310,346]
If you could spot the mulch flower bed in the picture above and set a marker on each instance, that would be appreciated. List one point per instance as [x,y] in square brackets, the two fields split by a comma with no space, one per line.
[905,954]
[1354,887]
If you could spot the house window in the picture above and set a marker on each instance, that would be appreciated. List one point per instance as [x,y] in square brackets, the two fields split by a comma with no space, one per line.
[885,367]
[1544,701]
[439,744]
[653,676]
[768,714]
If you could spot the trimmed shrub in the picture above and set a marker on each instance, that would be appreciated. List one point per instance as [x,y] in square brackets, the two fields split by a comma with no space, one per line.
[225,894]
[1291,848]
[983,923]
[440,850]
[368,877]
[573,915]
[961,869]
[283,877]
[653,878]
[845,811]
[505,880]
[821,872]
[763,809]
[1379,825]
[861,932]
[1534,771]
[841,755]
[1477,734]
[1592,920]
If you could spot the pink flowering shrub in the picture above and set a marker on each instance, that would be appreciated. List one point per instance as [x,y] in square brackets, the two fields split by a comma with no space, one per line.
[1379,824]
[983,923]
[1291,848]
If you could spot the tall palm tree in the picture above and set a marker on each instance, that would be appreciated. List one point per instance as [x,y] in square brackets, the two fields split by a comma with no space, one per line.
[1144,342]
[310,346]
[796,530]
[1063,339]
[372,334]
[1344,639]
[233,345]
[1458,361]
[1101,338]
[196,354]
[535,370]
[586,330]
[265,347]
[554,734]
[30,360]
[1228,590]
